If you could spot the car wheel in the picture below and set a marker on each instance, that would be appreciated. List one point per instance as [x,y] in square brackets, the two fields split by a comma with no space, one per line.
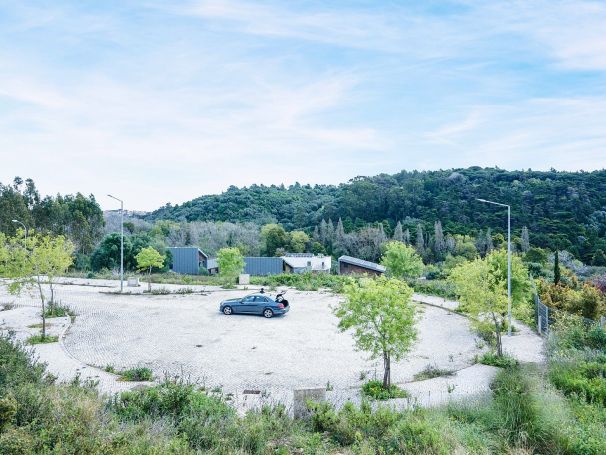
[227,310]
[268,313]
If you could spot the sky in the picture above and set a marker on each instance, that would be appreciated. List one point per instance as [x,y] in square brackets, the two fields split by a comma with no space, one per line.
[160,102]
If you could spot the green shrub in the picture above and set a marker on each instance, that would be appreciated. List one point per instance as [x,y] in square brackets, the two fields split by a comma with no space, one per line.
[375,389]
[185,291]
[16,441]
[431,371]
[39,339]
[437,287]
[417,436]
[137,374]
[584,379]
[57,311]
[304,281]
[492,359]
[159,291]
[8,409]
[17,364]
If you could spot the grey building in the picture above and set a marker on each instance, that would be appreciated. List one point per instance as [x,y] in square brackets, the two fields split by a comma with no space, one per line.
[212,266]
[353,266]
[262,266]
[188,260]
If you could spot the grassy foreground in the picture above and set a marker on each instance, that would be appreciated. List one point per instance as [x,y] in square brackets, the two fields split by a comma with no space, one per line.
[525,415]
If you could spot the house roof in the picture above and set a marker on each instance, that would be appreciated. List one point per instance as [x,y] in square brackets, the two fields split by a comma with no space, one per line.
[212,263]
[362,263]
[300,261]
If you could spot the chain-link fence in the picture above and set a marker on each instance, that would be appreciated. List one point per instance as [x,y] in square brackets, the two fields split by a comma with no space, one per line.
[546,316]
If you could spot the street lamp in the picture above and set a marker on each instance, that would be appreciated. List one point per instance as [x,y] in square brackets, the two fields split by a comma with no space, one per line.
[25,228]
[121,241]
[508,259]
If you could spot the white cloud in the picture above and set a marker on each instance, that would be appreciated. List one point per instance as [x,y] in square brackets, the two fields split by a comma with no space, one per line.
[167,106]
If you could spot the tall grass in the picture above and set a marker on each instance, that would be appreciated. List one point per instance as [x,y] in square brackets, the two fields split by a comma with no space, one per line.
[525,414]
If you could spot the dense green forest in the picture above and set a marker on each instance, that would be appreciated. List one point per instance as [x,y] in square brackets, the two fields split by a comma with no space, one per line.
[435,211]
[564,210]
[76,216]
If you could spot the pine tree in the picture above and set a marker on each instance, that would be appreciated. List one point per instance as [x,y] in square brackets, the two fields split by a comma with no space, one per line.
[397,233]
[525,240]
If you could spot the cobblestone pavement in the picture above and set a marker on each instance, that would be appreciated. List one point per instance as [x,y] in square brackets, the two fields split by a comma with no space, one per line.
[185,335]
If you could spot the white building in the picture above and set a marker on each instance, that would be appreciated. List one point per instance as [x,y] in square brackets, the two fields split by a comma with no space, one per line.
[307,262]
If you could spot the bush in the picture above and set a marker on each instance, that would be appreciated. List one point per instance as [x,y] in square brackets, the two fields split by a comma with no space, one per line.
[17,365]
[431,371]
[57,311]
[304,281]
[16,441]
[492,359]
[159,291]
[39,339]
[137,374]
[375,389]
[383,430]
[586,380]
[437,287]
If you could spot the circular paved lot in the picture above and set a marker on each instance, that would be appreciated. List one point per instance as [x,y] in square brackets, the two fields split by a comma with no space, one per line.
[185,335]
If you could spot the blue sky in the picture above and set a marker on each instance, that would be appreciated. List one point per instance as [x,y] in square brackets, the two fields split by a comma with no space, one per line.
[164,101]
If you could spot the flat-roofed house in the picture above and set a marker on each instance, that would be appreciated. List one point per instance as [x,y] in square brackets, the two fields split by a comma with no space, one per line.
[349,265]
[263,266]
[306,262]
[188,260]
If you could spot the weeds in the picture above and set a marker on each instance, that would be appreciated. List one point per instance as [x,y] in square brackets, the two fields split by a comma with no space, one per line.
[431,371]
[136,374]
[58,311]
[494,360]
[374,389]
[39,339]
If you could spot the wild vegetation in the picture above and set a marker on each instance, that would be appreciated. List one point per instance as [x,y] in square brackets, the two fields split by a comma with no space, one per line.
[435,212]
[526,413]
[562,210]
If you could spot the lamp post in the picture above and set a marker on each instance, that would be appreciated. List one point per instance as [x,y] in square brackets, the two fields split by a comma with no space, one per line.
[508,260]
[121,241]
[25,228]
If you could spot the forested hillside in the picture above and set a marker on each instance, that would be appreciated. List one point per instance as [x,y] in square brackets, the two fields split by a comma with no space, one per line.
[565,210]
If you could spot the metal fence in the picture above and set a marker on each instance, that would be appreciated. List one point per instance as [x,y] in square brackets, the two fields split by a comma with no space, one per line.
[546,316]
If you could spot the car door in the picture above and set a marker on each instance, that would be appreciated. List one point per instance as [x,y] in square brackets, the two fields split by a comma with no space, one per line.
[247,304]
[260,304]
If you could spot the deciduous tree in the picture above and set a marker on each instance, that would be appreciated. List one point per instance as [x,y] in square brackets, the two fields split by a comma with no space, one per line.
[401,261]
[29,263]
[382,316]
[231,264]
[147,259]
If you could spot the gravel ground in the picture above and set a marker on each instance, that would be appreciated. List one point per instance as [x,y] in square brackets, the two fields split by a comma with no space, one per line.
[185,335]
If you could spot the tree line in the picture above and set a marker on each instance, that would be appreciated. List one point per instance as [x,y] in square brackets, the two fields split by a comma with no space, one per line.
[562,210]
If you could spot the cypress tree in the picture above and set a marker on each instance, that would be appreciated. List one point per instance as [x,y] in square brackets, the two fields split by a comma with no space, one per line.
[397,233]
[557,274]
[420,240]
